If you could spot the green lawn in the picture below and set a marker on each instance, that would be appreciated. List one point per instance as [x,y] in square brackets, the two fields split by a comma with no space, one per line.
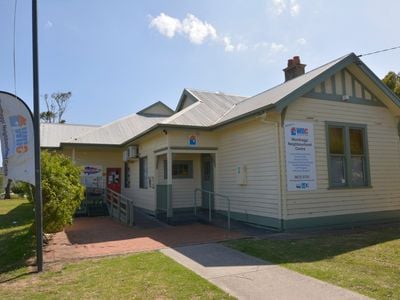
[141,276]
[16,239]
[365,261]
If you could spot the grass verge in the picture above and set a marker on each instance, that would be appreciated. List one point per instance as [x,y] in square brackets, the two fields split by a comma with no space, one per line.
[365,261]
[16,238]
[139,276]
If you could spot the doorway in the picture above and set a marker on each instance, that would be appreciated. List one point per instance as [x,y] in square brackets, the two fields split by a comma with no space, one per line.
[114,179]
[207,181]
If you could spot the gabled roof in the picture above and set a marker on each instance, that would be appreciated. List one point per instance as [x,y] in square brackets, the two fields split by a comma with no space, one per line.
[279,97]
[158,109]
[206,110]
[51,135]
[117,132]
[209,110]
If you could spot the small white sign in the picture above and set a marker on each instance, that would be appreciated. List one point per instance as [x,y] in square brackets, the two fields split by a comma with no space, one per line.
[300,156]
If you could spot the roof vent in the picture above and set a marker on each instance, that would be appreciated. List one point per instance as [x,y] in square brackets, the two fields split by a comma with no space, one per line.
[294,68]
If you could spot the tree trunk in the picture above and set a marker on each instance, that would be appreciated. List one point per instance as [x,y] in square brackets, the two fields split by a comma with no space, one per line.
[7,192]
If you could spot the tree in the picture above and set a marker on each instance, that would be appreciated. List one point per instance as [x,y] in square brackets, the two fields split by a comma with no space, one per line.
[56,106]
[392,80]
[62,192]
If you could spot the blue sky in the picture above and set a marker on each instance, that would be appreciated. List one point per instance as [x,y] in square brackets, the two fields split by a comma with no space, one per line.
[117,57]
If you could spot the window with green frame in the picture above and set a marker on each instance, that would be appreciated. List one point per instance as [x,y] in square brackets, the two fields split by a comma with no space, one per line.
[143,175]
[127,175]
[180,169]
[348,161]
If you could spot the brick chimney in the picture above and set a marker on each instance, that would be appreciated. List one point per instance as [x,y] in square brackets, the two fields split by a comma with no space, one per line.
[294,68]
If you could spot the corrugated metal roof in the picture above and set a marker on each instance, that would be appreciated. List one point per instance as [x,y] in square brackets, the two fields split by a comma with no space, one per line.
[275,94]
[210,107]
[51,135]
[117,132]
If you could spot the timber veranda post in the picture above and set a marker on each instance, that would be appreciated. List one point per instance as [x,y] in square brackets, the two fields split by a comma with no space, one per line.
[36,130]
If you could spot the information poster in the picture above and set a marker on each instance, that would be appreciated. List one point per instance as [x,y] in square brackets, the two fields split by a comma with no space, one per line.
[300,156]
[93,176]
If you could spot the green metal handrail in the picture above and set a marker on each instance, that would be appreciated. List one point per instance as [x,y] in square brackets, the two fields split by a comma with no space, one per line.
[209,204]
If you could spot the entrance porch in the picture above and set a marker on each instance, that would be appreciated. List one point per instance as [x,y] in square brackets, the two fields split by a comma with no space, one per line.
[185,185]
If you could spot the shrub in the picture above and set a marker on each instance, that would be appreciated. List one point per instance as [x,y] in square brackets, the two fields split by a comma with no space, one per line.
[62,191]
[18,188]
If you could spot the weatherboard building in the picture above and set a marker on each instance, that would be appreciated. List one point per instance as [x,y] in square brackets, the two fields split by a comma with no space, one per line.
[320,149]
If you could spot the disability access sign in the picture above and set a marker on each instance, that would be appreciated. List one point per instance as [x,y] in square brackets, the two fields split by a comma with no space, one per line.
[17,139]
[300,156]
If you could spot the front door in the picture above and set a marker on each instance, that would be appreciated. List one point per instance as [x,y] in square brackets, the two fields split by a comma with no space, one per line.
[114,179]
[207,180]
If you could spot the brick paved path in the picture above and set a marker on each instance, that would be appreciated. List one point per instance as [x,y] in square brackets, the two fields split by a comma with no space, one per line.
[102,236]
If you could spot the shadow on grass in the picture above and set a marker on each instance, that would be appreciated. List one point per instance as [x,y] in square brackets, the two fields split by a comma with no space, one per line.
[325,245]
[19,216]
[16,239]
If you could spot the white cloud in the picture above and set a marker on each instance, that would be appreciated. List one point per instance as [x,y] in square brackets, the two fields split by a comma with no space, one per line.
[241,47]
[192,28]
[301,41]
[49,24]
[277,48]
[228,44]
[278,7]
[166,25]
[294,8]
[196,30]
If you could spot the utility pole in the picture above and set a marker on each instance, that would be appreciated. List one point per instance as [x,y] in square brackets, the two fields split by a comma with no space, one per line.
[36,130]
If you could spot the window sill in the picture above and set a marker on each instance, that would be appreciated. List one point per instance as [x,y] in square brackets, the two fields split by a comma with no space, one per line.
[349,187]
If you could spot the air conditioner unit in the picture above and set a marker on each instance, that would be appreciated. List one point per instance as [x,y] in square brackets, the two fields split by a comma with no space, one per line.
[125,155]
[132,152]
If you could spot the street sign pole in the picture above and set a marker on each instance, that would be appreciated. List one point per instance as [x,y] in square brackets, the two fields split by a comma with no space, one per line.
[36,130]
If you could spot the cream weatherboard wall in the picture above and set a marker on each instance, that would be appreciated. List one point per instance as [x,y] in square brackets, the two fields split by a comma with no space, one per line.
[182,188]
[254,145]
[384,162]
[102,156]
[145,198]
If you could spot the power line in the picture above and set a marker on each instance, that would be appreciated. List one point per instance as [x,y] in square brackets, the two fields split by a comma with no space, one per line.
[14,47]
[379,51]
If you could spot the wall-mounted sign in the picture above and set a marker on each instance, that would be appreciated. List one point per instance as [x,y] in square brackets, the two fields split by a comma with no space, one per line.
[193,140]
[300,156]
[93,176]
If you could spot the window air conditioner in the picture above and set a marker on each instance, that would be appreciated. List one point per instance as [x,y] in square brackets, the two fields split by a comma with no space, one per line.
[132,152]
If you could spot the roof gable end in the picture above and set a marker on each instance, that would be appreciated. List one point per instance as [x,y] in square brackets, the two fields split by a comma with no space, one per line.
[158,109]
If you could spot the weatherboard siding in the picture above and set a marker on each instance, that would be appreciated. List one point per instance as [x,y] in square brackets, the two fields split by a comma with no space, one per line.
[384,161]
[182,188]
[253,145]
[145,197]
[107,158]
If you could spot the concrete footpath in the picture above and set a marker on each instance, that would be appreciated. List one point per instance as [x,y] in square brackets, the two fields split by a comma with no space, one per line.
[247,277]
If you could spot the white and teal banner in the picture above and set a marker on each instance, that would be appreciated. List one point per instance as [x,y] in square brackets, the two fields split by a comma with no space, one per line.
[300,156]
[17,139]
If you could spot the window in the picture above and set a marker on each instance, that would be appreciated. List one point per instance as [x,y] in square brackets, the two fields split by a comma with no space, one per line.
[180,169]
[143,183]
[127,175]
[347,155]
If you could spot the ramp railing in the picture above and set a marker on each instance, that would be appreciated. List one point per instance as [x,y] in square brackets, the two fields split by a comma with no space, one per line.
[210,198]
[120,207]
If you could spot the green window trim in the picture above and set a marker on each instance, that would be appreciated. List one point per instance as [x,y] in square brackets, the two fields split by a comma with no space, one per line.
[127,175]
[347,157]
[178,166]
